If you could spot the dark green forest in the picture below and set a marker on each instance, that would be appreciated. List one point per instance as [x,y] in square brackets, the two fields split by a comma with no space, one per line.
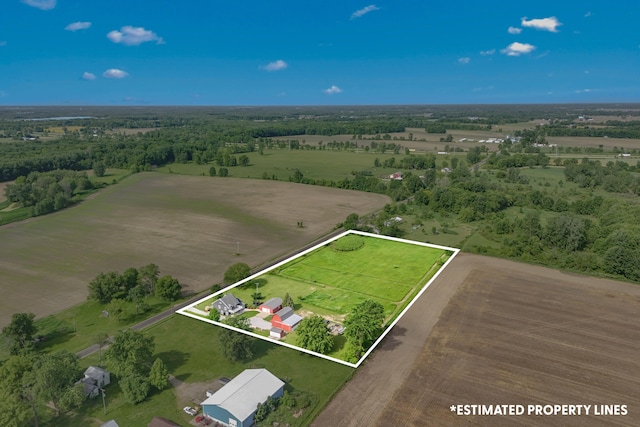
[587,221]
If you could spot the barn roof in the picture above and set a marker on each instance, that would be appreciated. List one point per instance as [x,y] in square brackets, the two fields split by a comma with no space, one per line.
[241,395]
[273,303]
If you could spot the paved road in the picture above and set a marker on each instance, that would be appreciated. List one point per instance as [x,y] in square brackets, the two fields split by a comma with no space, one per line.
[160,316]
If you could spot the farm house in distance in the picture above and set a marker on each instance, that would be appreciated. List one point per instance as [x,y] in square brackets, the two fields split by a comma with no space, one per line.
[236,403]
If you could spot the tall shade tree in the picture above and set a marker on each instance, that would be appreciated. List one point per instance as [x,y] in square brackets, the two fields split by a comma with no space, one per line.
[135,387]
[236,346]
[18,404]
[149,275]
[105,287]
[313,334]
[364,324]
[131,352]
[55,376]
[236,272]
[159,375]
[20,332]
[168,288]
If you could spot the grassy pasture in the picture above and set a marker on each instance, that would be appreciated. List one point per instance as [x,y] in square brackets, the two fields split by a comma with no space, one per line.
[318,164]
[330,283]
[190,227]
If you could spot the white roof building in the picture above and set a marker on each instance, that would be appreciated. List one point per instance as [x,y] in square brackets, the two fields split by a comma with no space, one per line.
[236,403]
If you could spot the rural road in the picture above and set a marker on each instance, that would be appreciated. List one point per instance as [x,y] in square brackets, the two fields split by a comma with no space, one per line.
[161,316]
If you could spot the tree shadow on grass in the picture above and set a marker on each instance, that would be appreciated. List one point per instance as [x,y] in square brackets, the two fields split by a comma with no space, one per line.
[173,359]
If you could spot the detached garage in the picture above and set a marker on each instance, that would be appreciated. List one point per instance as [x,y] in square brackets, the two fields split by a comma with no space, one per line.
[236,403]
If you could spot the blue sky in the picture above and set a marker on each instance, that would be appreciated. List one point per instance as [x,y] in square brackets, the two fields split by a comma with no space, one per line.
[210,52]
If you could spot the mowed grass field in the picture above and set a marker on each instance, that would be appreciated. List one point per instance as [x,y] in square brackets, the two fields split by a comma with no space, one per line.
[191,227]
[330,283]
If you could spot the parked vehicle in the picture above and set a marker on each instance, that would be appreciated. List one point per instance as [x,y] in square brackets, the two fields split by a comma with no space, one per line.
[191,411]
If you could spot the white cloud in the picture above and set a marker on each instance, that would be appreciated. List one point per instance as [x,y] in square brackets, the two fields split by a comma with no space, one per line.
[133,36]
[517,49]
[464,60]
[3,43]
[586,90]
[487,52]
[275,65]
[514,30]
[364,11]
[114,73]
[588,14]
[547,24]
[77,26]
[88,76]
[332,90]
[41,4]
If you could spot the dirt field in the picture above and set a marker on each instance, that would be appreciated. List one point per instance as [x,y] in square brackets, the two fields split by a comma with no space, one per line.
[191,227]
[511,334]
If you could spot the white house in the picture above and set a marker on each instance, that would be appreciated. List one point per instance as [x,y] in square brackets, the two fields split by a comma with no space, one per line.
[94,379]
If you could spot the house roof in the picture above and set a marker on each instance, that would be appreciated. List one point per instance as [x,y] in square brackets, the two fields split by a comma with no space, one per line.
[110,423]
[230,300]
[162,422]
[273,303]
[95,373]
[284,313]
[241,395]
[226,302]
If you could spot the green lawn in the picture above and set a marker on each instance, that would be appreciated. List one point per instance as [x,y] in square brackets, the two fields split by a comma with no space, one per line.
[329,283]
[317,164]
[191,351]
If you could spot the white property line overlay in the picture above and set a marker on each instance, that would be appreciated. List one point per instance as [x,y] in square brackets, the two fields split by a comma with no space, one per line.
[184,311]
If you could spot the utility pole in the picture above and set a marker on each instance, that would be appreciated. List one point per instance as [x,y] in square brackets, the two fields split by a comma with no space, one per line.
[104,404]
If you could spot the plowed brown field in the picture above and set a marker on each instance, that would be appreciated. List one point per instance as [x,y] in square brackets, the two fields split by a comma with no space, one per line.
[191,227]
[510,333]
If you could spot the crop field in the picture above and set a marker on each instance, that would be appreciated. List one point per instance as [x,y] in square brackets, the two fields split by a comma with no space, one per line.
[329,282]
[282,163]
[492,331]
[191,227]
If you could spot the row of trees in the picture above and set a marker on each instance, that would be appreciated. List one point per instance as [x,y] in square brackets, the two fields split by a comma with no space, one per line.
[133,286]
[47,191]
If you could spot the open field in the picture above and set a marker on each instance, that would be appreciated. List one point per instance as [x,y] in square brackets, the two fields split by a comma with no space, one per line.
[317,164]
[329,282]
[511,333]
[191,227]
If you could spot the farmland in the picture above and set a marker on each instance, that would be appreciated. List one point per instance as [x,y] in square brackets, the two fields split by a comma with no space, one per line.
[191,227]
[330,282]
[505,333]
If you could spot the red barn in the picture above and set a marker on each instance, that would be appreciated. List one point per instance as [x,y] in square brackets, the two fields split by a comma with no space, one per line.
[271,306]
[285,319]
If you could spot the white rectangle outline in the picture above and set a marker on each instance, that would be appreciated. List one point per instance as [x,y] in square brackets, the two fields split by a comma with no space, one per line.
[455,251]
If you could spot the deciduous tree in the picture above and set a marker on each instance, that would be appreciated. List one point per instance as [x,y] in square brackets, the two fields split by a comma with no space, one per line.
[236,346]
[159,375]
[168,288]
[20,332]
[236,272]
[313,334]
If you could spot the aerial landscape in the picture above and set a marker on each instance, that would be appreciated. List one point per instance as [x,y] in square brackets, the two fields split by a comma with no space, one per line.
[341,214]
